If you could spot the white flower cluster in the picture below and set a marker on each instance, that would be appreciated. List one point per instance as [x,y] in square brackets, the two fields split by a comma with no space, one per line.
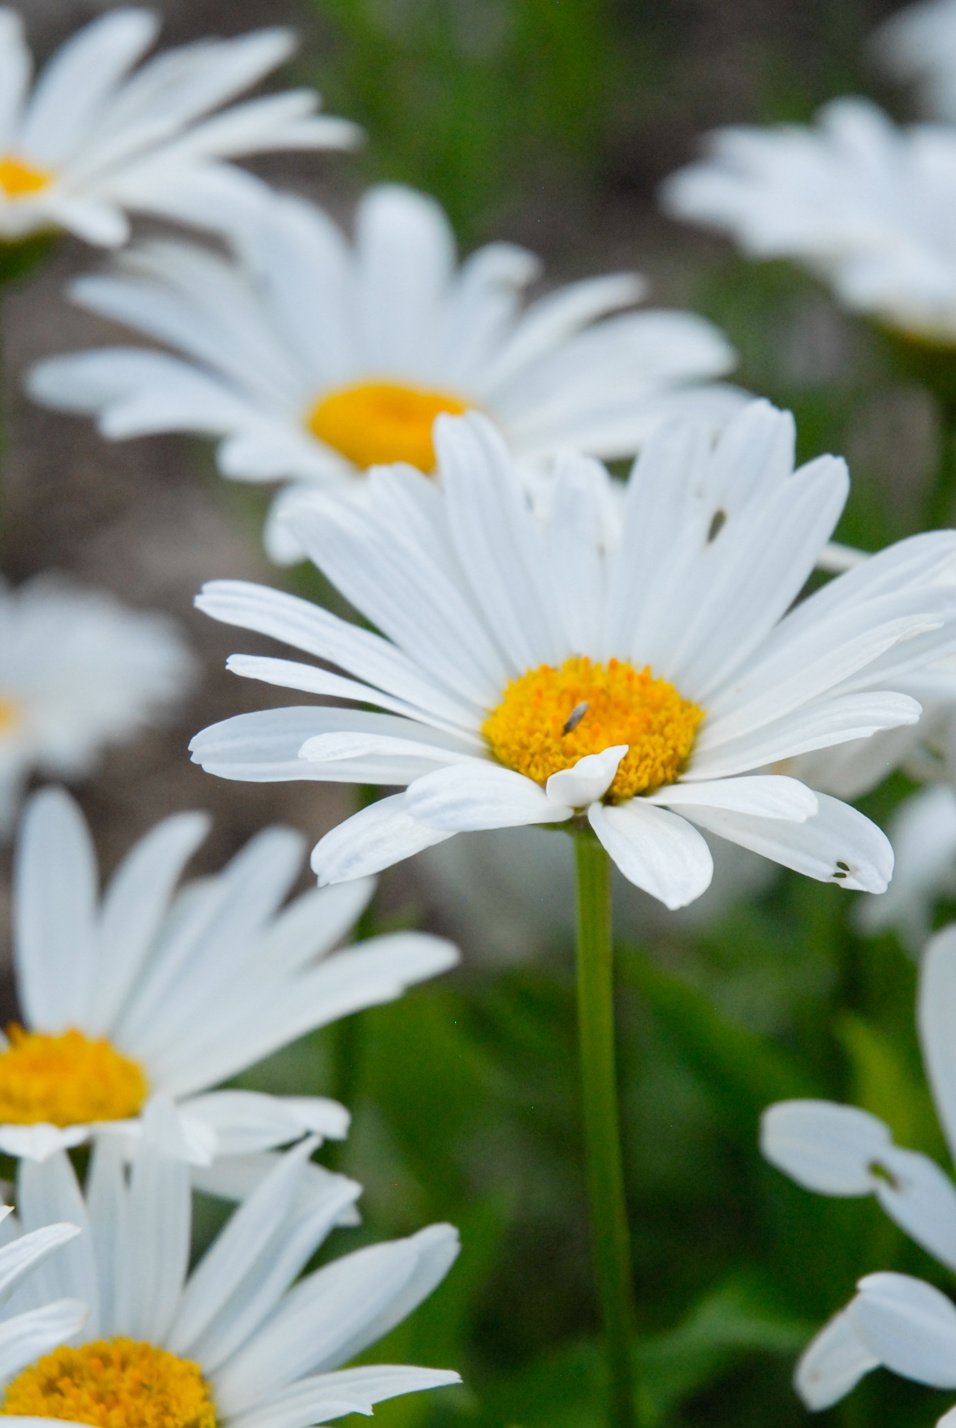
[540,643]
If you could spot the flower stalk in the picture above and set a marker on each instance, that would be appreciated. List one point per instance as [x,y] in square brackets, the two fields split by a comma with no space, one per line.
[602,1132]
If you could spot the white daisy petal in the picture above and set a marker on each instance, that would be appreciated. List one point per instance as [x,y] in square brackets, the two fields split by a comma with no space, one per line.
[909,1326]
[372,840]
[837,844]
[840,1150]
[824,1147]
[133,907]
[346,1391]
[17,1258]
[469,796]
[16,68]
[56,891]
[74,85]
[654,849]
[586,781]
[833,1363]
[248,1121]
[936,1013]
[764,795]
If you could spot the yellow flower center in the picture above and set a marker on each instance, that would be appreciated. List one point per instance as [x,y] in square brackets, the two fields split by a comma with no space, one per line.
[375,423]
[9,715]
[113,1383]
[20,180]
[549,718]
[67,1079]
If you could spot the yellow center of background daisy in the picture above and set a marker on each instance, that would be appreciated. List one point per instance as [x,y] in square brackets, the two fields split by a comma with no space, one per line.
[375,423]
[20,180]
[67,1079]
[9,715]
[113,1383]
[551,717]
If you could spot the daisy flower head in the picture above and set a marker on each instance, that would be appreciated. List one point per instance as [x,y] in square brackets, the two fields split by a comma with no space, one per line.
[630,667]
[311,359]
[894,1320]
[241,1341]
[150,991]
[79,672]
[918,46]
[858,201]
[97,138]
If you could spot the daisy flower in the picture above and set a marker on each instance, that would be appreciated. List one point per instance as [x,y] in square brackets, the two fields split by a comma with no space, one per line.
[233,1344]
[79,672]
[859,202]
[533,669]
[894,1319]
[93,140]
[148,990]
[918,45]
[311,360]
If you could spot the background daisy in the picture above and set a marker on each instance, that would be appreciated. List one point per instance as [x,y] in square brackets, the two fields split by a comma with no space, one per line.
[311,359]
[151,990]
[860,202]
[79,672]
[92,140]
[235,1342]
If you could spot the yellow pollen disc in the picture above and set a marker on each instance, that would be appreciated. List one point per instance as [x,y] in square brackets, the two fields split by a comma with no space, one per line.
[113,1383]
[9,715]
[66,1079]
[375,423]
[549,718]
[20,180]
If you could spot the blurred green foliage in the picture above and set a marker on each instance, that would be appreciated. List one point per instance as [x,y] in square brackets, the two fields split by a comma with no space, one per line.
[466,100]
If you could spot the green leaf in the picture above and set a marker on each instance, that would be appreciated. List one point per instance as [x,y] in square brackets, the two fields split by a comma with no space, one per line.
[743,1072]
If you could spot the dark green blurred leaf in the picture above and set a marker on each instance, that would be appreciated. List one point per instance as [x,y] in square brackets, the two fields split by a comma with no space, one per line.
[743,1071]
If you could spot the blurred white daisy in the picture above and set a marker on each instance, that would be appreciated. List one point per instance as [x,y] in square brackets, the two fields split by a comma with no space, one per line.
[149,990]
[93,140]
[918,46]
[894,1320]
[79,672]
[236,1343]
[923,834]
[532,670]
[311,360]
[862,203]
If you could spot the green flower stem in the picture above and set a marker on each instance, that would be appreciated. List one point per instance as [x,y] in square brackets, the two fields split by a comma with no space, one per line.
[602,1133]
